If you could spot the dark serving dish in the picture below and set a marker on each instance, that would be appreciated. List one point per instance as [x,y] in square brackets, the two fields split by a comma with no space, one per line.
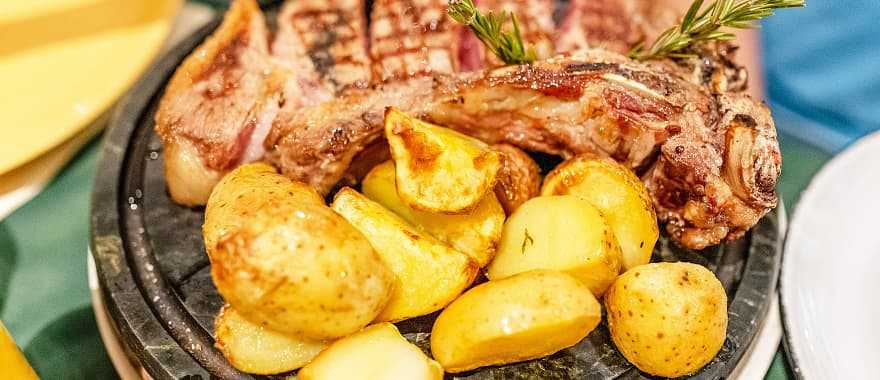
[156,281]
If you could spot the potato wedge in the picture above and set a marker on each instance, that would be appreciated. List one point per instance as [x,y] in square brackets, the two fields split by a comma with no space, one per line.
[475,233]
[301,269]
[667,319]
[519,178]
[522,317]
[618,194]
[563,233]
[429,273]
[378,352]
[242,192]
[439,170]
[255,349]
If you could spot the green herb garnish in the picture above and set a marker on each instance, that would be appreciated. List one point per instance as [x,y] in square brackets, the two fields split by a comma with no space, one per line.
[527,241]
[507,46]
[705,25]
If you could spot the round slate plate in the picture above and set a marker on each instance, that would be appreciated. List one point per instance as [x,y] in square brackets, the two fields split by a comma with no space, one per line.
[156,279]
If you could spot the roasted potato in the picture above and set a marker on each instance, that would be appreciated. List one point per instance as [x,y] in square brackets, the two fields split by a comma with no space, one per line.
[475,233]
[242,192]
[255,349]
[429,273]
[439,170]
[301,269]
[618,194]
[564,233]
[522,317]
[519,178]
[378,352]
[667,319]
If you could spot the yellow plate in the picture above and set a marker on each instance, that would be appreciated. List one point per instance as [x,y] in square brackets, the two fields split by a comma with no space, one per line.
[64,62]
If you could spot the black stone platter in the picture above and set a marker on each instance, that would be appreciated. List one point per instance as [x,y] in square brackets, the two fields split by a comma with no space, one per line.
[156,281]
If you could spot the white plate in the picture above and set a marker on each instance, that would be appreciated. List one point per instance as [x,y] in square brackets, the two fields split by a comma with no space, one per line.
[829,285]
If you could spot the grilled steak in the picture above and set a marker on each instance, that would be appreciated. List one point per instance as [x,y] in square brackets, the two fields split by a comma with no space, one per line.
[213,104]
[535,19]
[333,36]
[711,161]
[615,25]
[410,38]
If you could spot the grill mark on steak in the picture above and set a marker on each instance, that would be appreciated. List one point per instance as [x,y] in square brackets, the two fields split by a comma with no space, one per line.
[412,39]
[610,24]
[334,38]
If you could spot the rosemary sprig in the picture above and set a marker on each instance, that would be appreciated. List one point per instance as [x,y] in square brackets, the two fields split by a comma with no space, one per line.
[507,46]
[705,25]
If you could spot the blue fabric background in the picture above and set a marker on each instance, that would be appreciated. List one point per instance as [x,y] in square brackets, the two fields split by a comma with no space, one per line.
[823,70]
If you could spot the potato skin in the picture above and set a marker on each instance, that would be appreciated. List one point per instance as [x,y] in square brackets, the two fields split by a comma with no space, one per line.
[377,352]
[255,349]
[526,316]
[429,273]
[667,319]
[564,233]
[618,194]
[439,170]
[301,269]
[243,191]
[475,233]
[519,178]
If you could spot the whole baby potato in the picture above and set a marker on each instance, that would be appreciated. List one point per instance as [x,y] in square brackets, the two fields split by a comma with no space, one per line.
[667,319]
[303,270]
[242,192]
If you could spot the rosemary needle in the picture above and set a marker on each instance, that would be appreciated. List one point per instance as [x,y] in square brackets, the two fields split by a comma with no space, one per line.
[507,46]
[699,25]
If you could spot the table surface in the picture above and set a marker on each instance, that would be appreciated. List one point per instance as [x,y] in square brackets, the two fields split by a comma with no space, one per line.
[44,297]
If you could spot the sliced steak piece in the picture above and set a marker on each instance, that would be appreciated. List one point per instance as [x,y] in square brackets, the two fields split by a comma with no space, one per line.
[331,34]
[411,38]
[615,25]
[213,104]
[318,144]
[535,19]
[710,160]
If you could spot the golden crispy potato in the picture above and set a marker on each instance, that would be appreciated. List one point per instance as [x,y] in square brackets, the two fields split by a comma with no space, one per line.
[618,194]
[439,170]
[667,319]
[519,178]
[526,316]
[255,349]
[245,190]
[378,352]
[301,269]
[564,233]
[429,273]
[475,233]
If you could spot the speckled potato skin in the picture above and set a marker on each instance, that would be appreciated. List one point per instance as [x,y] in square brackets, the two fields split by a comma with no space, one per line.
[475,233]
[522,317]
[667,319]
[429,274]
[243,191]
[255,349]
[438,169]
[301,269]
[519,178]
[564,233]
[618,194]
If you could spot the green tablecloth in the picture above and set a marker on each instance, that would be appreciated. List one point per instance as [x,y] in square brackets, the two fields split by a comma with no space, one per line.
[44,297]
